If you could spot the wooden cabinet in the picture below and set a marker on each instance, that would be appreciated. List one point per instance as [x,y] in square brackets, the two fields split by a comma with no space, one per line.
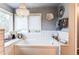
[9,50]
[1,41]
[65,50]
[35,50]
[70,49]
[78,28]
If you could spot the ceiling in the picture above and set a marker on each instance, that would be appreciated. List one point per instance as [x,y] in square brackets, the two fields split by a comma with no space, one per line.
[33,5]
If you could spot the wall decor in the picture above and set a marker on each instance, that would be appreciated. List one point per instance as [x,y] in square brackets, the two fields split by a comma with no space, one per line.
[62,23]
[61,11]
[49,16]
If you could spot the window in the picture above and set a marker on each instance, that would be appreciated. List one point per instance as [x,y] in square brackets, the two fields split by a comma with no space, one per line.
[25,24]
[21,24]
[35,22]
[6,20]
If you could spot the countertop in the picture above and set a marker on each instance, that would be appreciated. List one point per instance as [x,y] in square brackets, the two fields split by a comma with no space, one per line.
[36,42]
[10,42]
[33,43]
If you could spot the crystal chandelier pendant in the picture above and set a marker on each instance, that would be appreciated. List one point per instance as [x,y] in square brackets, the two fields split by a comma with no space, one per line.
[22,10]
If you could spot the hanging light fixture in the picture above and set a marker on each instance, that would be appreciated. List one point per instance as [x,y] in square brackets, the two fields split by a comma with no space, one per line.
[22,10]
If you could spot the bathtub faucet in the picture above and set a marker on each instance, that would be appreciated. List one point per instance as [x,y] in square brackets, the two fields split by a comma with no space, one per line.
[56,37]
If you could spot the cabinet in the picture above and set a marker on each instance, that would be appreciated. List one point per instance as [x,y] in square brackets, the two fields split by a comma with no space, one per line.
[9,50]
[1,41]
[78,28]
[34,50]
[70,48]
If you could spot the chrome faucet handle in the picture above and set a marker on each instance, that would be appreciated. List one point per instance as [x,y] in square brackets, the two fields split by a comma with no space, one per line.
[56,36]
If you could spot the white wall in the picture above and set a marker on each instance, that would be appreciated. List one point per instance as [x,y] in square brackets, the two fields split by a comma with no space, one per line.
[47,35]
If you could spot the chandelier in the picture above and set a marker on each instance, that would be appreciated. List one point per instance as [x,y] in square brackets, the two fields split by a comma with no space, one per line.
[22,10]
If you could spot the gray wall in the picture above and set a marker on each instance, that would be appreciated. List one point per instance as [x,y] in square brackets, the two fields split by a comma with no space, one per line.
[45,24]
[6,7]
[66,13]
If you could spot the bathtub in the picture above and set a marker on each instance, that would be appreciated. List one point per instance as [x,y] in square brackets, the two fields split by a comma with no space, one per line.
[37,47]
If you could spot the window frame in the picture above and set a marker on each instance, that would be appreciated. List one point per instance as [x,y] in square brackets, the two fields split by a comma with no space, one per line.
[37,14]
[9,13]
[15,23]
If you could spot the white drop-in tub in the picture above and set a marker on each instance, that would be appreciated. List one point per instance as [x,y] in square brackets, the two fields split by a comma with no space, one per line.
[36,47]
